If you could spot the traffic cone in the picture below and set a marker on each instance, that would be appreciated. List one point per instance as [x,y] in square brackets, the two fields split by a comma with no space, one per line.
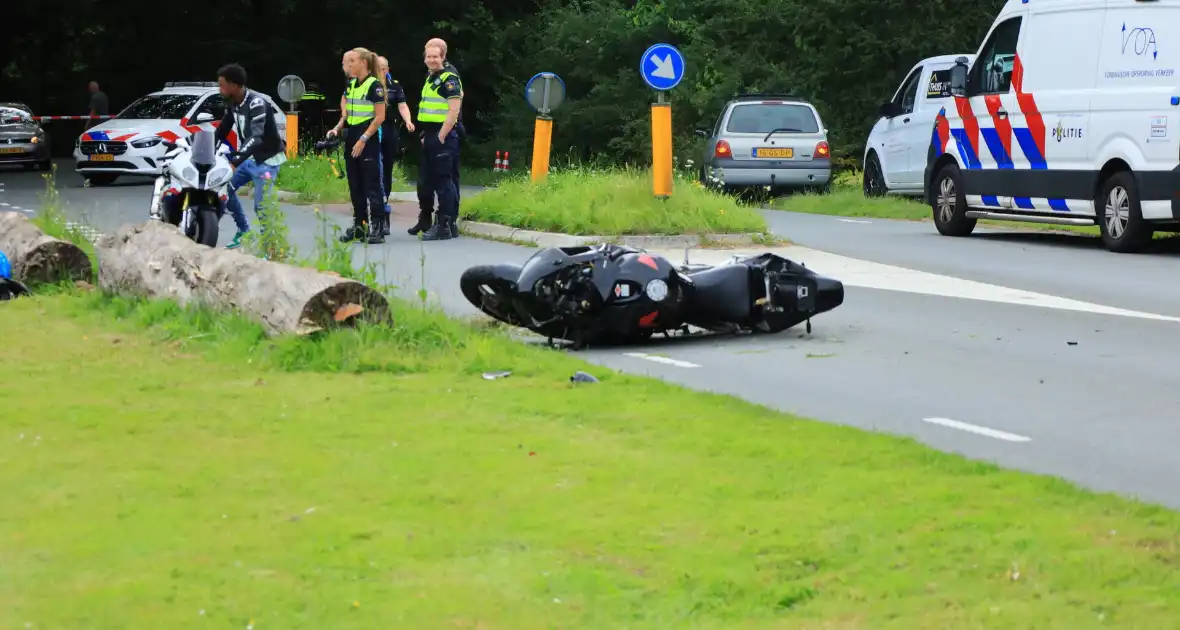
[497,168]
[504,168]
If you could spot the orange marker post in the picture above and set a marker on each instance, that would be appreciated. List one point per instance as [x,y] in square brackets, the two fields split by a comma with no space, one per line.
[292,135]
[661,148]
[542,141]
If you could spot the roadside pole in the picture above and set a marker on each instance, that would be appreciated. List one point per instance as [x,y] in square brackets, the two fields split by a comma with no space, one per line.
[662,68]
[544,93]
[291,89]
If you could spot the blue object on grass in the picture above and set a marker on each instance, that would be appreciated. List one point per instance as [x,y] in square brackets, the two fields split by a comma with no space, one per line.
[5,267]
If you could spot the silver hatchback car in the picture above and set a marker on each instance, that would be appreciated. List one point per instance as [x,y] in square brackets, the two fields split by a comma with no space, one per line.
[767,140]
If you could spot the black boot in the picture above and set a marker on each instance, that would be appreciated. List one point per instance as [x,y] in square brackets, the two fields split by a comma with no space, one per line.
[385,224]
[454,222]
[422,225]
[354,233]
[377,229]
[377,234]
[440,232]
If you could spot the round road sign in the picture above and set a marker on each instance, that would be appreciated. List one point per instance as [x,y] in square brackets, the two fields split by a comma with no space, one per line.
[291,89]
[544,92]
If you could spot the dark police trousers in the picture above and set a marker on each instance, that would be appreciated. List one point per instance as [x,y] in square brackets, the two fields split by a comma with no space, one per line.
[390,148]
[436,175]
[364,178]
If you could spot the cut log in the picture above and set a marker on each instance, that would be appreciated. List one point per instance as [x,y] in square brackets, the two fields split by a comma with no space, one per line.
[154,260]
[37,257]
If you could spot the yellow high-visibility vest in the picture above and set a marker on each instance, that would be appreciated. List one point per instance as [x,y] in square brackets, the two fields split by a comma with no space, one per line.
[433,107]
[359,108]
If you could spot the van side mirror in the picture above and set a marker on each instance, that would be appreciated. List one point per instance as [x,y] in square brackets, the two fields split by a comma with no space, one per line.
[704,133]
[204,117]
[959,77]
[888,109]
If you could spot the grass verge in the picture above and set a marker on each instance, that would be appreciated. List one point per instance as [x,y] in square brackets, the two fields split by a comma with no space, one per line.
[175,468]
[588,201]
[847,200]
[312,178]
[52,219]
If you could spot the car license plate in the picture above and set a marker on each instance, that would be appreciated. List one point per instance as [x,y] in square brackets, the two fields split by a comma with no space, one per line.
[102,157]
[7,150]
[766,152]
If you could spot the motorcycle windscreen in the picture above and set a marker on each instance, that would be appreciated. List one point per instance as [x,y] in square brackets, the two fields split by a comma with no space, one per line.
[204,152]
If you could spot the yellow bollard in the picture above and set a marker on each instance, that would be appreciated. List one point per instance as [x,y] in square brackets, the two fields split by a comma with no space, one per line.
[661,149]
[292,135]
[542,140]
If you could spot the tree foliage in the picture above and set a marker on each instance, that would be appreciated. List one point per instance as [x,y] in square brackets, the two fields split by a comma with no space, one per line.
[847,56]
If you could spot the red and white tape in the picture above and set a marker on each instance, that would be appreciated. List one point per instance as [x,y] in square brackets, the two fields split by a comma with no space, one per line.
[49,118]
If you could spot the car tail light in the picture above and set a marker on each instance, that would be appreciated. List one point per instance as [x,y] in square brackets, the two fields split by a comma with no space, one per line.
[822,150]
[722,150]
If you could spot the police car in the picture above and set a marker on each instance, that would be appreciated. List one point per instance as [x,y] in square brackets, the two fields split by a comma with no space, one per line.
[895,153]
[131,142]
[1068,115]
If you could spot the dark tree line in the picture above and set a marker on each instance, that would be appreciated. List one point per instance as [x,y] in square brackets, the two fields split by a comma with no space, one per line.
[845,55]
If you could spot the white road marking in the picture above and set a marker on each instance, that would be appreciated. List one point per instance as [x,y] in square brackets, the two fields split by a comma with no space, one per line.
[854,272]
[974,428]
[852,221]
[3,204]
[659,359]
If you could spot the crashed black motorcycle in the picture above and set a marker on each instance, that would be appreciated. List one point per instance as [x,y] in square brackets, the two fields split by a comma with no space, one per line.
[610,294]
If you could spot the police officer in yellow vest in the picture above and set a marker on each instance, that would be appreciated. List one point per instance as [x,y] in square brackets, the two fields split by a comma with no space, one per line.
[438,112]
[311,109]
[362,110]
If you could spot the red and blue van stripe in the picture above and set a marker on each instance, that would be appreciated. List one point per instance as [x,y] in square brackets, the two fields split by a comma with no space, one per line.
[998,139]
[1032,137]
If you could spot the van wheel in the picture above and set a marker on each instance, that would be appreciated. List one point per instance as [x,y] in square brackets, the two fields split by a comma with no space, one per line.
[949,204]
[873,183]
[1121,219]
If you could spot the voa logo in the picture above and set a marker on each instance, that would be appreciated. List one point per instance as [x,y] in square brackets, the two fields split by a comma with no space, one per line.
[1140,41]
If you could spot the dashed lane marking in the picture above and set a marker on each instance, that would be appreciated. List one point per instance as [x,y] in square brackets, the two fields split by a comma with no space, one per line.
[978,430]
[658,359]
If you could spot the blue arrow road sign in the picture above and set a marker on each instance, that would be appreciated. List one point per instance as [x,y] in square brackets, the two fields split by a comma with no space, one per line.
[662,67]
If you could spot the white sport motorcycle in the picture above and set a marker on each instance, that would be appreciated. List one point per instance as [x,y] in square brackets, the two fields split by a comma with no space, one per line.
[191,190]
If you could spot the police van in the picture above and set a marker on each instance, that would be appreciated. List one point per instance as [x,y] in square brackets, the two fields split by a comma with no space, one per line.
[1068,115]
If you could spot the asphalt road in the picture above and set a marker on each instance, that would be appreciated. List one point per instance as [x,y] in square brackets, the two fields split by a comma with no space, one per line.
[1005,371]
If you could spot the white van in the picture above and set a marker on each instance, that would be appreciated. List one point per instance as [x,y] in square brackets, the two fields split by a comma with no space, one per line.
[895,153]
[1069,115]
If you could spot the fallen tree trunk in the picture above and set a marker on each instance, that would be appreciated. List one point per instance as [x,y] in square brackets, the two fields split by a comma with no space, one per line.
[37,257]
[155,260]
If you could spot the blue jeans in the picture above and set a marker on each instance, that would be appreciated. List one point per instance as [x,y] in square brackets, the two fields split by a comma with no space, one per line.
[249,171]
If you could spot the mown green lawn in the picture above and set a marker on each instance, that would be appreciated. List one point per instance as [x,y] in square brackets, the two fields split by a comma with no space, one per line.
[172,470]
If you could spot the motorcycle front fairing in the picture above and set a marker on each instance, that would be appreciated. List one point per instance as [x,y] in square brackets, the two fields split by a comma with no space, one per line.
[596,292]
[645,293]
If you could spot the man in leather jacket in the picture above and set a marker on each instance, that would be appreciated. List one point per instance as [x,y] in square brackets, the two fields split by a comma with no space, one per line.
[261,148]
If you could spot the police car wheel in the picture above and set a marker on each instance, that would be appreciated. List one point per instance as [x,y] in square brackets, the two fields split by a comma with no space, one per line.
[1120,217]
[873,184]
[949,204]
